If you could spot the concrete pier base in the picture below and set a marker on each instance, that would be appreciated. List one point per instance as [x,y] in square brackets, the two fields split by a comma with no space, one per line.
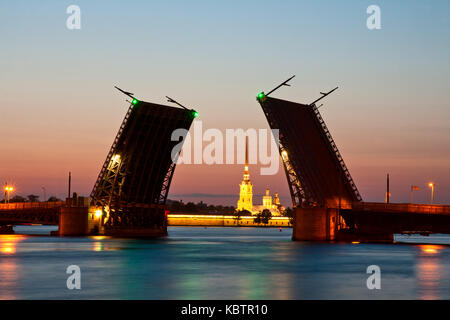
[319,224]
[73,221]
[314,224]
[8,229]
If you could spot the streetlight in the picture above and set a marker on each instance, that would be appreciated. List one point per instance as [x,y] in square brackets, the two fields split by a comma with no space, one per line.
[431,185]
[98,214]
[8,190]
[11,189]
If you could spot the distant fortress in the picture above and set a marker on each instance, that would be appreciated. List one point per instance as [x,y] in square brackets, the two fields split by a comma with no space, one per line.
[245,201]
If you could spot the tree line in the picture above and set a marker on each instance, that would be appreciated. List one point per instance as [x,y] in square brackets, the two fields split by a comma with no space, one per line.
[30,198]
[176,206]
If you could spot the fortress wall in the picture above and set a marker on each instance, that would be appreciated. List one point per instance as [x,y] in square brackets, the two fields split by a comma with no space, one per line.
[222,221]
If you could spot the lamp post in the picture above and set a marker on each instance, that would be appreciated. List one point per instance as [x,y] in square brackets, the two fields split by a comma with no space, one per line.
[431,185]
[11,189]
[413,188]
[8,190]
[388,195]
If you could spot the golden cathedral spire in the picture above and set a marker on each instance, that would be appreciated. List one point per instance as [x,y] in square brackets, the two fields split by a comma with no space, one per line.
[246,172]
[245,201]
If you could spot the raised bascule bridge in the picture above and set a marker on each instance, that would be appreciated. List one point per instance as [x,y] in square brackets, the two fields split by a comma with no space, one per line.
[129,196]
[133,184]
[130,193]
[327,204]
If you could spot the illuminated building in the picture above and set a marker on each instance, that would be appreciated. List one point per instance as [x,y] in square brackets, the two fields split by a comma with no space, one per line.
[245,201]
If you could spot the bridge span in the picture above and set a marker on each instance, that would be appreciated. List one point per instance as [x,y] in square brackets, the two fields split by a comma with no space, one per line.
[46,213]
[366,220]
[129,196]
[327,204]
[73,217]
[361,222]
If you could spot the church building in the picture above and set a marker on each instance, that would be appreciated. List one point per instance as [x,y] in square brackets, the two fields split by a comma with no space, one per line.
[245,201]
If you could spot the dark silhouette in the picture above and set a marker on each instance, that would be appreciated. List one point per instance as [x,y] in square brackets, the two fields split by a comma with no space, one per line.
[33,198]
[201,207]
[290,214]
[263,217]
[53,199]
[16,199]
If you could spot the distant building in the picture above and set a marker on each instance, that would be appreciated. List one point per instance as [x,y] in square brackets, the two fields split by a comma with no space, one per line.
[273,205]
[245,201]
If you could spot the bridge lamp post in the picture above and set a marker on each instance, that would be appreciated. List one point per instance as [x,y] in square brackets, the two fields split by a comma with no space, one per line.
[8,190]
[431,185]
[11,189]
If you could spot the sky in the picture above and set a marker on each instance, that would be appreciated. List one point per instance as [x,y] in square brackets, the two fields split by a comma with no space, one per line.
[59,111]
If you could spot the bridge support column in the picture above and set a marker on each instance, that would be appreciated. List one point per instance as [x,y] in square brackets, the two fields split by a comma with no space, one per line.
[73,221]
[314,224]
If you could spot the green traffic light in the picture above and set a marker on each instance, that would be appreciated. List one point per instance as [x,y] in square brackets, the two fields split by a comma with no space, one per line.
[135,101]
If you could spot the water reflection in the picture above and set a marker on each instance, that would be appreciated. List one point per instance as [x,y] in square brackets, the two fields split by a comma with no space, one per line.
[219,263]
[8,279]
[8,248]
[191,287]
[239,272]
[430,248]
[9,275]
[281,284]
[430,272]
[8,243]
[98,244]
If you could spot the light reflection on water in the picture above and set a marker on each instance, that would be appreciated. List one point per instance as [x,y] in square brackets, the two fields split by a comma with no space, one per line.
[218,263]
[430,272]
[9,271]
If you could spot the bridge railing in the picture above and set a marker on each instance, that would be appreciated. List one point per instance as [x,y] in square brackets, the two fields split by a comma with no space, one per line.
[402,207]
[31,205]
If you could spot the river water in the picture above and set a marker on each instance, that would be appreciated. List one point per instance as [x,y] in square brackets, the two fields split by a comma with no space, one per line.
[219,263]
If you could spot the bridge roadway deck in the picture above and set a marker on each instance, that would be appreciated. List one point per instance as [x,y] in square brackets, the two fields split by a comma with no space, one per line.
[31,212]
[364,218]
[392,218]
[401,208]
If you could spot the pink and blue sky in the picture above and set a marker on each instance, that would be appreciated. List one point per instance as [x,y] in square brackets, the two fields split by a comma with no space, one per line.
[59,111]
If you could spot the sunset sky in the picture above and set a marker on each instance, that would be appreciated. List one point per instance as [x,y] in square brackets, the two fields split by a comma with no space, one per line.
[59,111]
